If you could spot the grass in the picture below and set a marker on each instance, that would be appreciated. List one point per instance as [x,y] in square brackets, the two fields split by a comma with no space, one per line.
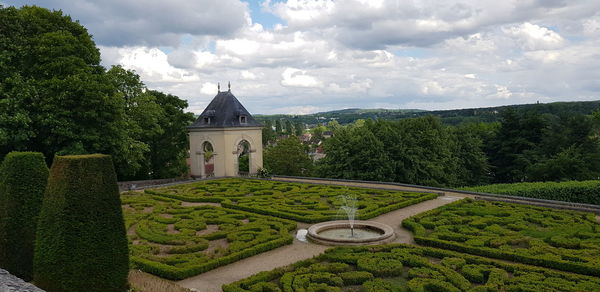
[144,282]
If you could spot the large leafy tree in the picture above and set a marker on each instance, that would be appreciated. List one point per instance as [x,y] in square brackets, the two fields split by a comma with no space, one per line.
[55,98]
[355,153]
[288,157]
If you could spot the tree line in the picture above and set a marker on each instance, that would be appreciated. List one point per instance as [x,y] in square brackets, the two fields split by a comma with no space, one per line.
[56,98]
[523,146]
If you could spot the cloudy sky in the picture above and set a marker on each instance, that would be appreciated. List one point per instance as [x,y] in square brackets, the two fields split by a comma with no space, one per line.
[305,56]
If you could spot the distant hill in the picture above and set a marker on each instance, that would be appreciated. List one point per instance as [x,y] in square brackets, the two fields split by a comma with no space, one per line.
[451,117]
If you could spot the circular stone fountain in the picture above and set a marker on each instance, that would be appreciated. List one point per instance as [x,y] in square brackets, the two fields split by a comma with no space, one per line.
[340,233]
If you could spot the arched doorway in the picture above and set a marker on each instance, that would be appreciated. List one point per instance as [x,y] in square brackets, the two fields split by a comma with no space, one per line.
[243,156]
[208,159]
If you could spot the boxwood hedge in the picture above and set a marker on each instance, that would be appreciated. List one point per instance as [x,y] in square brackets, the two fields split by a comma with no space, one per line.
[81,243]
[586,192]
[421,269]
[564,240]
[297,201]
[23,178]
[176,242]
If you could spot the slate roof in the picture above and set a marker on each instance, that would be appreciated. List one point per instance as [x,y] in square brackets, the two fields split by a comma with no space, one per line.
[224,111]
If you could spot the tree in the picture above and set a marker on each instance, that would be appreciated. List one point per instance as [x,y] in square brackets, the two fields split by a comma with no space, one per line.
[81,243]
[355,153]
[268,134]
[298,129]
[23,178]
[168,150]
[288,157]
[278,127]
[289,128]
[55,98]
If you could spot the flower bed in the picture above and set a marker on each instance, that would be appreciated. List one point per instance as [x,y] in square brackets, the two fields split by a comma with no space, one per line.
[302,202]
[175,242]
[407,268]
[564,240]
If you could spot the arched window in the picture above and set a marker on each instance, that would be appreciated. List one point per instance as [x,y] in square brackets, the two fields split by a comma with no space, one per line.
[243,157]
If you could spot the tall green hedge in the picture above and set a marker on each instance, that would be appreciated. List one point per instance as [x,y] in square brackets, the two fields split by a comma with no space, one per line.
[586,192]
[23,178]
[81,241]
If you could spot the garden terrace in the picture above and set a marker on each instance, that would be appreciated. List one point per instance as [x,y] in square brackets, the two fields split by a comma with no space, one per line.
[176,242]
[401,267]
[564,240]
[301,202]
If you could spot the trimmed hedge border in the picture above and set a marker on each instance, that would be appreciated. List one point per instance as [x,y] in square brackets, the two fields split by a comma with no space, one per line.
[302,213]
[23,178]
[81,242]
[186,245]
[448,271]
[421,238]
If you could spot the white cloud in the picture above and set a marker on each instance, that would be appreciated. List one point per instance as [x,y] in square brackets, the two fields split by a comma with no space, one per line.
[329,55]
[534,37]
[298,78]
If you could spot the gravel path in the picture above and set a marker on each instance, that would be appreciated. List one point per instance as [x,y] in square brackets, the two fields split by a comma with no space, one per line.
[212,281]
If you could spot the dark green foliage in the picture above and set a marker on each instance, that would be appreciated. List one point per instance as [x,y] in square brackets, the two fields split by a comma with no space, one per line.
[288,157]
[427,269]
[56,98]
[417,151]
[587,192]
[564,240]
[23,178]
[81,243]
[172,241]
[296,201]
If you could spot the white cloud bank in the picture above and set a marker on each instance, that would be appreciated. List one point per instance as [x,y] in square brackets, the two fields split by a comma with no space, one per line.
[327,54]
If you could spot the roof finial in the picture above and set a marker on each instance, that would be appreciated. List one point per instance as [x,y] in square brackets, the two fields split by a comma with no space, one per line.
[228,86]
[218,87]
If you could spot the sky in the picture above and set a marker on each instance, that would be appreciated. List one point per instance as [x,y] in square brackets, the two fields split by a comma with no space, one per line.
[306,56]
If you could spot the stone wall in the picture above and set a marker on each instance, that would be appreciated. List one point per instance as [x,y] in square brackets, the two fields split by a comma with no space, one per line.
[10,283]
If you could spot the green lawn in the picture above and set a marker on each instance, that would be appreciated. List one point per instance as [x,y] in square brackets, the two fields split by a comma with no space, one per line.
[565,240]
[400,267]
[176,242]
[301,202]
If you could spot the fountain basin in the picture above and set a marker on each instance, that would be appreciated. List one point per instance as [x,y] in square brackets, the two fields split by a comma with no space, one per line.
[339,233]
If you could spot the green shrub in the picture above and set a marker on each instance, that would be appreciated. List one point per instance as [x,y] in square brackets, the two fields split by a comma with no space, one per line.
[380,266]
[23,178]
[587,192]
[557,239]
[356,277]
[81,243]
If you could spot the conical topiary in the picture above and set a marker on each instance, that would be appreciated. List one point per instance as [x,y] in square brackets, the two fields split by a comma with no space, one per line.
[81,241]
[23,178]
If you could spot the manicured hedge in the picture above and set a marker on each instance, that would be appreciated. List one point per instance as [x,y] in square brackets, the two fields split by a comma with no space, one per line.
[301,202]
[586,192]
[23,178]
[564,240]
[81,243]
[423,269]
[173,241]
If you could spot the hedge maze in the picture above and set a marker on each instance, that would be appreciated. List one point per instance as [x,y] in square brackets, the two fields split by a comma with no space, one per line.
[301,202]
[176,242]
[401,267]
[564,240]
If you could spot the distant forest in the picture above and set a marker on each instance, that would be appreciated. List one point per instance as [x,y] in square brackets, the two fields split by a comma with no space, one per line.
[448,117]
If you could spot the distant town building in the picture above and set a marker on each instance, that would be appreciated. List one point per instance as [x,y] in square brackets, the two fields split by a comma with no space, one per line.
[221,135]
